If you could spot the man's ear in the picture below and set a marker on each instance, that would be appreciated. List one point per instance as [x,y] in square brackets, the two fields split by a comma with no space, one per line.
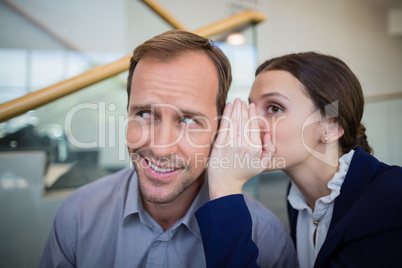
[332,131]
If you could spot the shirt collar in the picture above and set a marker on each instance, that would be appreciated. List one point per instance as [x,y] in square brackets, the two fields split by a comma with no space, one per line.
[132,202]
[298,202]
[189,219]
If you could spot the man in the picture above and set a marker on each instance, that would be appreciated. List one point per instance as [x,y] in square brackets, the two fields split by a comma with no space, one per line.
[177,88]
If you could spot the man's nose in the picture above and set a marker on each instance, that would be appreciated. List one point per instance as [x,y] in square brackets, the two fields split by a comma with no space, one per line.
[165,138]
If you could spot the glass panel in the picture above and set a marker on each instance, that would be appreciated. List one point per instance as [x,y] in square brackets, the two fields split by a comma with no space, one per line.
[242,54]
[47,153]
[46,68]
[13,68]
[86,126]
[77,64]
[13,73]
[382,120]
[10,93]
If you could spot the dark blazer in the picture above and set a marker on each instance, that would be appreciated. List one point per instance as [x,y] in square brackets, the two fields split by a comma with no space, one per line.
[366,225]
[365,230]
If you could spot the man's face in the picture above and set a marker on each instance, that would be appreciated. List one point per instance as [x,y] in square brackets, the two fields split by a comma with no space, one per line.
[172,120]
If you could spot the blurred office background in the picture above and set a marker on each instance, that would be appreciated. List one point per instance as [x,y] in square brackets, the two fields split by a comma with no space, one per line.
[48,152]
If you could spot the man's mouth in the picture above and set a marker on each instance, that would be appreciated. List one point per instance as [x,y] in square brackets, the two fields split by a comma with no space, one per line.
[158,168]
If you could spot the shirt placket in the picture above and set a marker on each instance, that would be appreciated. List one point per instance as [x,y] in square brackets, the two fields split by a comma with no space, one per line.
[158,250]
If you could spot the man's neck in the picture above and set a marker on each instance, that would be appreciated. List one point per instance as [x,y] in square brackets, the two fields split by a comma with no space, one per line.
[167,214]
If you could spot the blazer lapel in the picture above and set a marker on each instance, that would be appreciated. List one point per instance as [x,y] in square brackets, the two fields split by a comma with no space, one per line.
[361,171]
[292,215]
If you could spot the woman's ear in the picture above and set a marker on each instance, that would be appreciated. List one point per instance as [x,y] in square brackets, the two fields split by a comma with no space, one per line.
[333,131]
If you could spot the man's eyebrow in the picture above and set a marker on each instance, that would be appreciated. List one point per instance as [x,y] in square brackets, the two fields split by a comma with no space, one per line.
[193,113]
[140,107]
[150,107]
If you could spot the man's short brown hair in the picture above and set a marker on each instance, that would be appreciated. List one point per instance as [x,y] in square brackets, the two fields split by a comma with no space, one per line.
[171,44]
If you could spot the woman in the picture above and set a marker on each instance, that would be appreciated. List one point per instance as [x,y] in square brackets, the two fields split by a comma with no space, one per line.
[344,205]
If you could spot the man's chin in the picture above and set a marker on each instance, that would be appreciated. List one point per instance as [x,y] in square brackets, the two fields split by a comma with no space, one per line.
[159,200]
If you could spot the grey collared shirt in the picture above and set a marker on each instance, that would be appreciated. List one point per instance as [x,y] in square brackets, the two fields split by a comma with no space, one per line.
[104,224]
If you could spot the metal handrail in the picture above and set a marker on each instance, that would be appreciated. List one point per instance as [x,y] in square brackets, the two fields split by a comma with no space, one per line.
[46,95]
[383,96]
[164,14]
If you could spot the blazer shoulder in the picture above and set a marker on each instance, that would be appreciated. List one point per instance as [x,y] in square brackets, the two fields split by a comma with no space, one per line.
[367,171]
[389,177]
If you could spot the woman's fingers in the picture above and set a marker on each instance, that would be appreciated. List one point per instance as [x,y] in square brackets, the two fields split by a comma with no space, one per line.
[268,150]
[236,115]
[239,124]
[239,145]
[255,139]
[224,129]
[243,125]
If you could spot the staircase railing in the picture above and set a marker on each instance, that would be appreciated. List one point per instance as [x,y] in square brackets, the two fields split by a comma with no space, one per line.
[384,96]
[46,95]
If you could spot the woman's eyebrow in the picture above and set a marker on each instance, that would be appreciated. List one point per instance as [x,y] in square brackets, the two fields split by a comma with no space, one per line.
[274,94]
[270,94]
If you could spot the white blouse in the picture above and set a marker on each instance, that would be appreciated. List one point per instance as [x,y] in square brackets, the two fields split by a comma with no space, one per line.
[317,221]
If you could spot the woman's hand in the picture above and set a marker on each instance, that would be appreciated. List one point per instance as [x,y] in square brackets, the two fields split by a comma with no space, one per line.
[238,153]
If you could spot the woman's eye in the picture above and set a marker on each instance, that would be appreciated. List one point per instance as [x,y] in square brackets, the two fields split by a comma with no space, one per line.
[274,109]
[187,120]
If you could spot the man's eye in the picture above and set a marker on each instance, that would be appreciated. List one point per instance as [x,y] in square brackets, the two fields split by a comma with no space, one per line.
[187,120]
[144,114]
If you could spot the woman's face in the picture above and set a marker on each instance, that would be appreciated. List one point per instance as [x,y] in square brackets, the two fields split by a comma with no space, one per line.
[289,115]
